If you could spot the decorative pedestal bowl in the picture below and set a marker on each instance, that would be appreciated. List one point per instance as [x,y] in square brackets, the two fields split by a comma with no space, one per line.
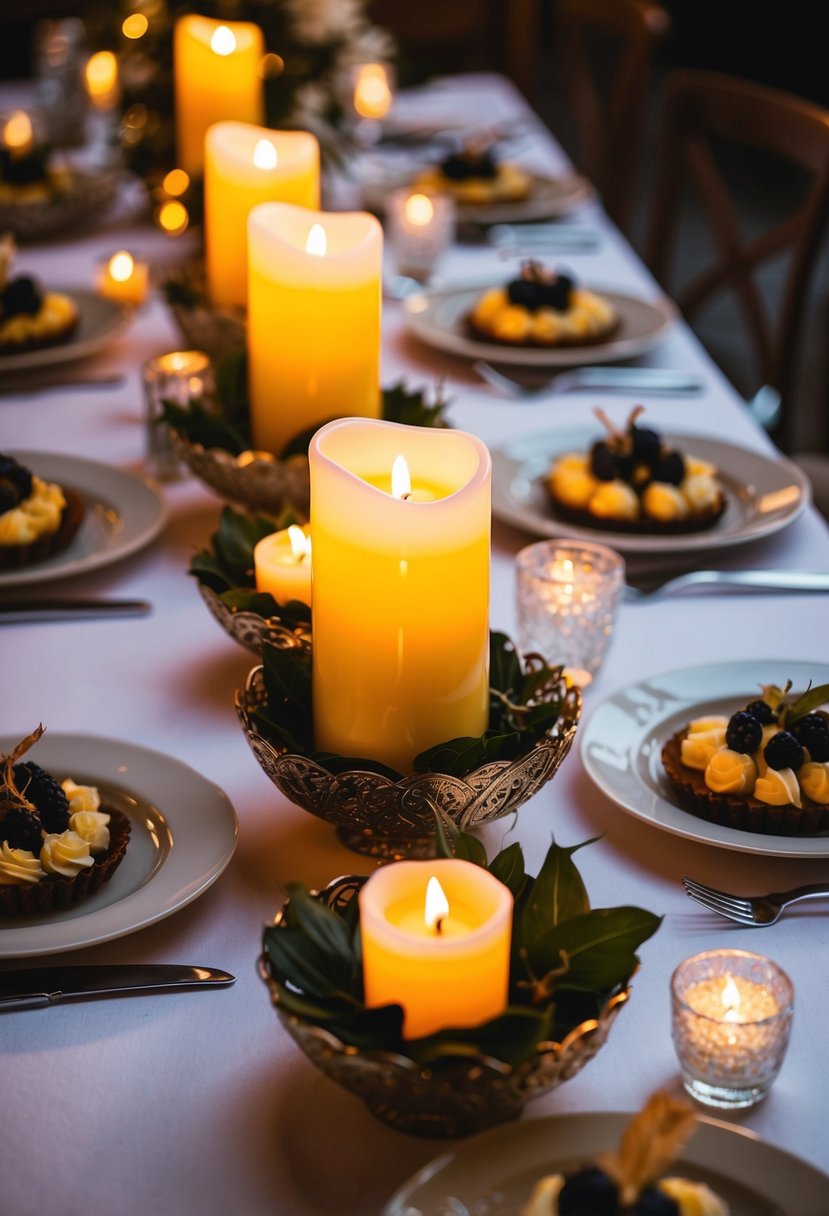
[255,480]
[382,817]
[218,331]
[251,630]
[452,1096]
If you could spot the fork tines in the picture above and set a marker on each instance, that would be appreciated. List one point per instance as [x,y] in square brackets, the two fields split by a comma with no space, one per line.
[732,906]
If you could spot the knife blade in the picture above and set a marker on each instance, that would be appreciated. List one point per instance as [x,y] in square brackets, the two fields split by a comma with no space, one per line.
[35,986]
[19,612]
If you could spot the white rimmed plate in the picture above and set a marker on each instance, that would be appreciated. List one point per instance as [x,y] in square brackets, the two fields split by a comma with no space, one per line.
[183,835]
[494,1173]
[438,318]
[621,744]
[764,494]
[100,322]
[123,514]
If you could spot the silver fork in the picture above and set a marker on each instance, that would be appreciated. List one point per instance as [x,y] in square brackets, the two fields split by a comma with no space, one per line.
[756,580]
[751,909]
[653,380]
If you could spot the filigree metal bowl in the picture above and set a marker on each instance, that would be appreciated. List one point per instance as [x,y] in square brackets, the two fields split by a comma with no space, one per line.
[251,630]
[449,1098]
[255,480]
[204,327]
[81,198]
[381,817]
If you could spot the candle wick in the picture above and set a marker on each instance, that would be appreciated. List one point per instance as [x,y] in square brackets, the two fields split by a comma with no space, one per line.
[405,496]
[439,925]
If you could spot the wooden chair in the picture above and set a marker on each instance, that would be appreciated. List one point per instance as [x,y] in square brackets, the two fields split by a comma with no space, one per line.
[701,107]
[604,50]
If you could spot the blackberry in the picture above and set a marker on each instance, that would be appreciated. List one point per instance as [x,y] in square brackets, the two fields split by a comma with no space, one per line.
[22,296]
[589,1191]
[459,166]
[21,828]
[812,731]
[762,711]
[744,732]
[44,791]
[603,462]
[669,467]
[14,479]
[647,444]
[532,292]
[783,751]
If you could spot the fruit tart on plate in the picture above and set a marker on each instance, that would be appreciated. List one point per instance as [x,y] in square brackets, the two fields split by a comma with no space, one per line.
[30,318]
[474,175]
[542,308]
[38,518]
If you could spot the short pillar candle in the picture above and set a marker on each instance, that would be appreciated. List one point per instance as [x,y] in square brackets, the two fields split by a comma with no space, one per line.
[447,967]
[401,589]
[283,565]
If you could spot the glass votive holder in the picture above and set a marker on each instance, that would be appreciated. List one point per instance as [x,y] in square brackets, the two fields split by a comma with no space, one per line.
[731,1017]
[419,230]
[567,593]
[177,377]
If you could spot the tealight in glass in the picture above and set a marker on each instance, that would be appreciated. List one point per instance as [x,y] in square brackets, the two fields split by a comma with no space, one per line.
[419,230]
[731,1017]
[177,377]
[567,593]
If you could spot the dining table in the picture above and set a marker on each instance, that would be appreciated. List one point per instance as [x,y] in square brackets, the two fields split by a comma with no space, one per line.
[198,1102]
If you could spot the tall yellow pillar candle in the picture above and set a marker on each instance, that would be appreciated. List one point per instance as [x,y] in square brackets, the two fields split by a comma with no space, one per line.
[314,304]
[401,589]
[245,165]
[436,940]
[217,71]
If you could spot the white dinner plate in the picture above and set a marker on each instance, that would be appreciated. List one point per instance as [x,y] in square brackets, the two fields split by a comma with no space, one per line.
[183,835]
[438,318]
[550,198]
[494,1173]
[123,514]
[621,745]
[100,322]
[763,494]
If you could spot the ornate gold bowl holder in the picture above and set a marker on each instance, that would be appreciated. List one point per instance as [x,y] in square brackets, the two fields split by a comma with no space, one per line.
[255,480]
[203,327]
[251,630]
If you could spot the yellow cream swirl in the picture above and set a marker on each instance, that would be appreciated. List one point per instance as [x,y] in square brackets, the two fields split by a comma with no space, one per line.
[614,500]
[693,1198]
[35,516]
[664,502]
[714,722]
[814,781]
[65,854]
[81,797]
[729,772]
[91,826]
[778,787]
[19,867]
[698,748]
[573,486]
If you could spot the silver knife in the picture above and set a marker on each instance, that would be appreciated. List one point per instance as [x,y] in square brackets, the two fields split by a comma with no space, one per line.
[47,985]
[19,612]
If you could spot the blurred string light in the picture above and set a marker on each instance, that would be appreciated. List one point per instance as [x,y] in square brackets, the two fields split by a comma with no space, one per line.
[176,183]
[135,26]
[172,217]
[272,65]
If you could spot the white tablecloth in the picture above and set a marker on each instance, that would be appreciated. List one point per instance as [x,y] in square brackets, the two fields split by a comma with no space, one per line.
[199,1102]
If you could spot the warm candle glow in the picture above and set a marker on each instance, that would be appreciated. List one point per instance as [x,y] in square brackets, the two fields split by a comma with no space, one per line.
[372,94]
[135,26]
[124,279]
[317,242]
[300,543]
[121,266]
[731,1000]
[265,155]
[101,76]
[176,183]
[401,482]
[420,210]
[18,133]
[282,563]
[173,217]
[223,41]
[437,905]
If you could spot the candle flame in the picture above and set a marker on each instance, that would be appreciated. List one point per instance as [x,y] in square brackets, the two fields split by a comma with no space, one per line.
[101,74]
[300,543]
[265,155]
[121,266]
[17,133]
[419,210]
[317,241]
[223,41]
[401,481]
[372,95]
[437,905]
[731,1000]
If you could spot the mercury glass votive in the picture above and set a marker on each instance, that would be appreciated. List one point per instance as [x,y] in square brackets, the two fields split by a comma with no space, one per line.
[567,593]
[731,1017]
[176,377]
[419,230]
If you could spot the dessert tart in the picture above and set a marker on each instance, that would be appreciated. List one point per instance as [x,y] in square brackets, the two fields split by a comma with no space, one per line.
[631,481]
[28,172]
[30,318]
[37,518]
[57,843]
[542,308]
[629,1182]
[474,176]
[764,769]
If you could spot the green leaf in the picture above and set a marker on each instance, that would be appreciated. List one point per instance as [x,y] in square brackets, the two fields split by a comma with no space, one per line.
[287,678]
[447,832]
[557,893]
[201,426]
[314,1011]
[411,409]
[599,945]
[810,700]
[298,444]
[508,867]
[240,599]
[504,663]
[207,568]
[458,757]
[232,392]
[301,963]
[237,536]
[513,1037]
[469,848]
[322,927]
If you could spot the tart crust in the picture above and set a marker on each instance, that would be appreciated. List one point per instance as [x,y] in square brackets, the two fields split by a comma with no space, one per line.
[14,557]
[56,321]
[645,526]
[746,814]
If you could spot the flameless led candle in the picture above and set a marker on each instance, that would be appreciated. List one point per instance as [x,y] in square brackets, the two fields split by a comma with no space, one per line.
[732,1013]
[217,77]
[124,279]
[314,303]
[419,229]
[283,565]
[245,165]
[444,957]
[401,589]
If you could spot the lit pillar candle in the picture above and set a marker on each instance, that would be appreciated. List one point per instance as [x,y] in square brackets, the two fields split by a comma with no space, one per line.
[314,302]
[447,964]
[101,80]
[283,565]
[401,589]
[372,90]
[217,69]
[245,165]
[124,279]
